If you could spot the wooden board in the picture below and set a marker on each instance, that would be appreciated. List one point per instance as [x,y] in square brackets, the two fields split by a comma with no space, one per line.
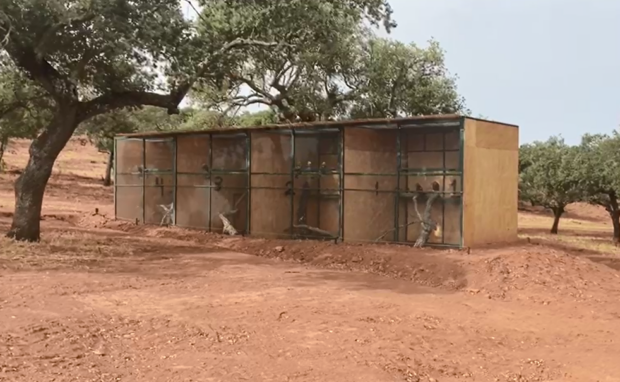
[229,152]
[491,180]
[193,153]
[129,203]
[270,207]
[369,200]
[159,155]
[128,155]
[271,153]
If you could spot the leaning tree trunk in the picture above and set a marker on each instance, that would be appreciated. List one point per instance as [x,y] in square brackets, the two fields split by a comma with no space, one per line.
[107,181]
[557,214]
[30,186]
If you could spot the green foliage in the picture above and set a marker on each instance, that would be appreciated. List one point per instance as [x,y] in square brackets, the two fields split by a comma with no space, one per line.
[399,79]
[548,174]
[259,118]
[599,167]
[101,129]
[24,107]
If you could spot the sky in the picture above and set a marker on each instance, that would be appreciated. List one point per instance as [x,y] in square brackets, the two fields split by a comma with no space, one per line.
[550,66]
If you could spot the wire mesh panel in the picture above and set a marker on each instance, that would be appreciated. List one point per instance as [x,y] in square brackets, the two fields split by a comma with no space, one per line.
[430,186]
[272,191]
[229,182]
[193,181]
[128,179]
[159,182]
[317,184]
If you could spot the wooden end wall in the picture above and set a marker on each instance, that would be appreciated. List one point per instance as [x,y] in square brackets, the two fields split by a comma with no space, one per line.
[369,199]
[491,180]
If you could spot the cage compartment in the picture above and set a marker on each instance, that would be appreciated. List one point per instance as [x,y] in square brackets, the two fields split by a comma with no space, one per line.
[316,184]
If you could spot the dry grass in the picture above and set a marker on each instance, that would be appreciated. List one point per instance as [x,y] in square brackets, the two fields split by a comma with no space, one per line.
[602,244]
[60,250]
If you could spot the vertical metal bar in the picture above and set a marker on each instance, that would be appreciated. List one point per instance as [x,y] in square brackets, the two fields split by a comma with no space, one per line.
[248,164]
[443,188]
[115,174]
[341,201]
[397,193]
[210,179]
[319,200]
[143,181]
[462,173]
[174,180]
[293,143]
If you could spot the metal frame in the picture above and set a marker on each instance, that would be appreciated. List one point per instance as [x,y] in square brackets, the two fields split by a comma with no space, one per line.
[451,124]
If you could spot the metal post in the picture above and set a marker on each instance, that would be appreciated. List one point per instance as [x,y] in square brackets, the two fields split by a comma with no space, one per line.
[248,164]
[293,143]
[397,193]
[462,172]
[115,153]
[210,178]
[143,181]
[443,189]
[174,180]
[341,158]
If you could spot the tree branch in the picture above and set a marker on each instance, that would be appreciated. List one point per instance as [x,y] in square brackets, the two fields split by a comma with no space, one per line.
[118,100]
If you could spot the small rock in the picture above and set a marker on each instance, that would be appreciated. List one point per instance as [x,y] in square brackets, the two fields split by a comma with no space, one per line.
[279,248]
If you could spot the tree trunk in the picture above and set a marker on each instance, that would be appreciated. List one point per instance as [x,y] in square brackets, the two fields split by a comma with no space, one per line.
[614,214]
[30,186]
[557,214]
[4,141]
[107,181]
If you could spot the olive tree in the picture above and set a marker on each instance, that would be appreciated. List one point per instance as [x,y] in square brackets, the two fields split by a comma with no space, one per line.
[598,171]
[548,176]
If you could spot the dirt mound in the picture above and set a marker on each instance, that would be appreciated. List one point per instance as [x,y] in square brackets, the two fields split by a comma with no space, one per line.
[541,274]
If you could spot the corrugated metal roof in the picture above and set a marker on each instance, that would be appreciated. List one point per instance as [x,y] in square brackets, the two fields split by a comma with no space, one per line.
[427,119]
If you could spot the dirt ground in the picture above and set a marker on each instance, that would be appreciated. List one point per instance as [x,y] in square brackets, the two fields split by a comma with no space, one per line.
[99,300]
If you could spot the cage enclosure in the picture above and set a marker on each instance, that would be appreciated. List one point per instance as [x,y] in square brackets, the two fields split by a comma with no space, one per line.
[438,180]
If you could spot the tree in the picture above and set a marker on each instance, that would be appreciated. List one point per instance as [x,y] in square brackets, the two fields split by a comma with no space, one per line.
[93,57]
[598,166]
[549,176]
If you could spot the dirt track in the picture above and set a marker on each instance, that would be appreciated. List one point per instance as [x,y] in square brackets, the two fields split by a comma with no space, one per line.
[102,301]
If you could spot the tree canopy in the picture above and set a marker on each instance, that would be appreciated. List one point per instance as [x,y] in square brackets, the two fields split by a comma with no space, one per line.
[333,67]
